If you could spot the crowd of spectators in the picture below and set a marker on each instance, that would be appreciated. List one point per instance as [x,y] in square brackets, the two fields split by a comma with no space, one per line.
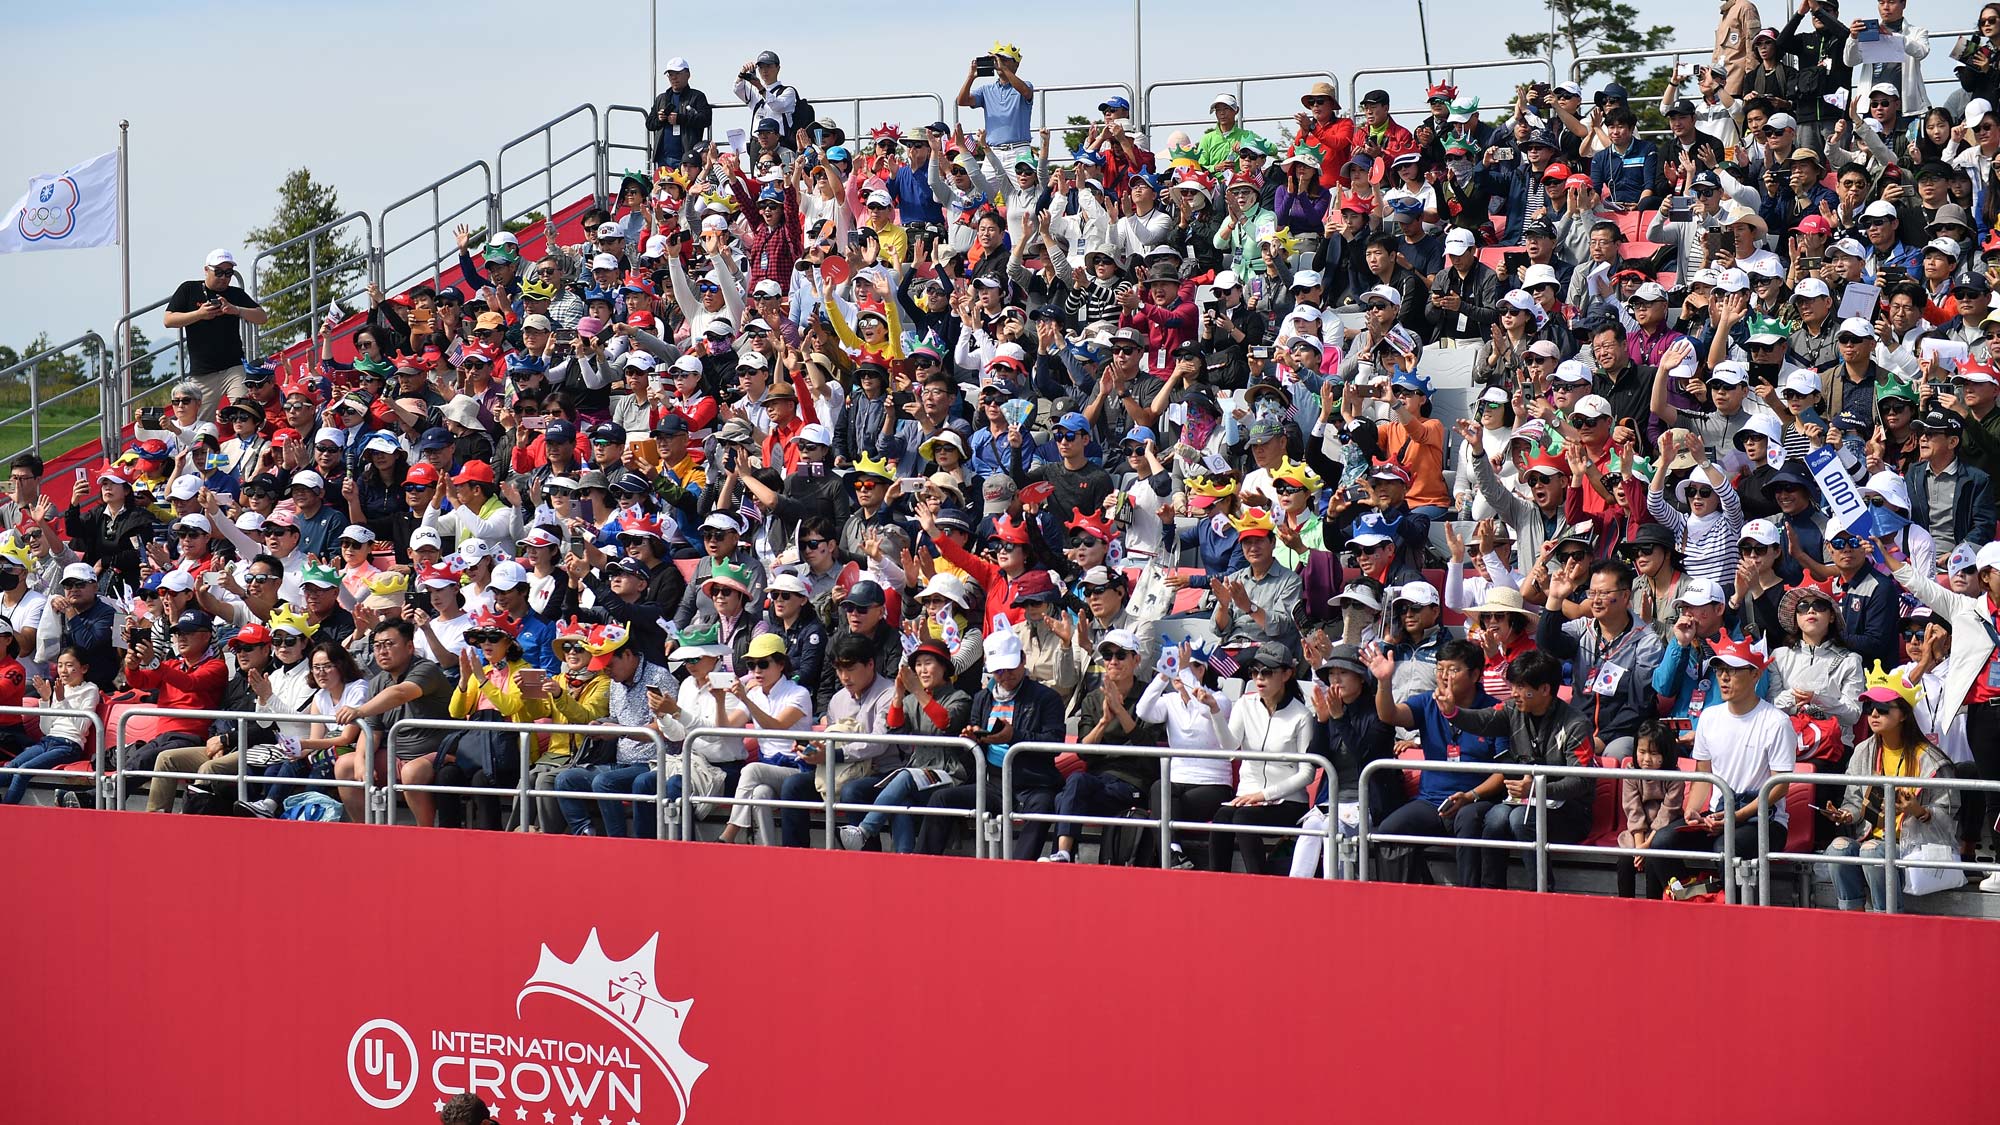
[935,432]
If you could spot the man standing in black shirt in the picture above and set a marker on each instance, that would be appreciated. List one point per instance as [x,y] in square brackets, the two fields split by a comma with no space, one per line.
[207,310]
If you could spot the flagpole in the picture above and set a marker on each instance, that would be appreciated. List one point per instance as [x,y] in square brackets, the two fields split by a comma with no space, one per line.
[118,389]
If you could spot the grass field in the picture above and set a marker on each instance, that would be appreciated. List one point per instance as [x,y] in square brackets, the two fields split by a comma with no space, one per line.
[17,437]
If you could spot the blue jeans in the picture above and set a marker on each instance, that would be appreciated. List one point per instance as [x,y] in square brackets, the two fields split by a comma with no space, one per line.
[44,755]
[597,779]
[1431,512]
[1502,821]
[1854,887]
[795,825]
[648,783]
[902,826]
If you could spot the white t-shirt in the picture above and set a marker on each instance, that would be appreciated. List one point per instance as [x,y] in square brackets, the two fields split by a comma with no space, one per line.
[27,614]
[1745,750]
[450,634]
[785,693]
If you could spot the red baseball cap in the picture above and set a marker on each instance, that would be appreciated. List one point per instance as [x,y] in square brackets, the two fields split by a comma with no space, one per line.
[286,436]
[478,471]
[423,472]
[1814,224]
[1556,171]
[251,634]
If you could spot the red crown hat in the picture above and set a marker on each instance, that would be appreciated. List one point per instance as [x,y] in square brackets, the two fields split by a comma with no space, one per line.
[447,569]
[1444,90]
[637,524]
[1093,524]
[1199,178]
[637,279]
[1828,587]
[491,619]
[1741,653]
[574,629]
[885,132]
[1010,531]
[1546,461]
[302,390]
[871,306]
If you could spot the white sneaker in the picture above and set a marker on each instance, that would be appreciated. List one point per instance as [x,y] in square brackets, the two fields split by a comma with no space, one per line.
[1991,884]
[1057,856]
[852,837]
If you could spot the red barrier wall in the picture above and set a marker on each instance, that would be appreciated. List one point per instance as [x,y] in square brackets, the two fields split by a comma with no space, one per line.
[172,969]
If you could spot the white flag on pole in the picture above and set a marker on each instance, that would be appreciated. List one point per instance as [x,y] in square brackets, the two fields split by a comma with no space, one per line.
[69,210]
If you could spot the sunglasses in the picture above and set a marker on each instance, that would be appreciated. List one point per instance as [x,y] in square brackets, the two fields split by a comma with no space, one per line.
[1126,349]
[417,487]
[1571,556]
[1097,589]
[189,533]
[287,641]
[223,271]
[1876,707]
[74,583]
[1847,543]
[560,491]
[714,535]
[810,544]
[709,287]
[485,636]
[570,649]
[1118,654]
[259,579]
[1814,605]
[1699,491]
[1317,101]
[1284,489]
[762,663]
[185,401]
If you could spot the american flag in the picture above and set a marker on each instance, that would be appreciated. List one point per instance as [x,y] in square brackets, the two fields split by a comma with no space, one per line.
[1224,664]
[747,511]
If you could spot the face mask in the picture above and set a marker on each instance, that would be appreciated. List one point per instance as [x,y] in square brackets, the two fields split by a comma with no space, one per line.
[9,580]
[1459,168]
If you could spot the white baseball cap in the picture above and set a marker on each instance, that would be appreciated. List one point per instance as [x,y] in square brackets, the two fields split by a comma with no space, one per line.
[1760,531]
[1459,241]
[309,479]
[1571,371]
[1810,287]
[1702,591]
[1002,651]
[656,247]
[1880,209]
[185,487]
[1387,293]
[1729,373]
[1593,406]
[426,537]
[1945,246]
[215,258]
[817,434]
[1650,291]
[193,520]
[1539,275]
[1732,281]
[80,571]
[677,63]
[604,262]
[1801,381]
[1856,327]
[1416,593]
[508,575]
[1988,557]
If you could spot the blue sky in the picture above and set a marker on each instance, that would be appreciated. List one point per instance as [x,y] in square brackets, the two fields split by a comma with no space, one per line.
[219,114]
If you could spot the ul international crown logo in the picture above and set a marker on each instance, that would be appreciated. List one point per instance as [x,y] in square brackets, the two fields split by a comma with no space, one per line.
[53,213]
[539,1079]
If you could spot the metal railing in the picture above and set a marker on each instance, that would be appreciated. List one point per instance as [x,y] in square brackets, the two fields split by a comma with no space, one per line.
[1042,98]
[243,776]
[97,751]
[1892,865]
[1354,82]
[167,365]
[1540,845]
[830,804]
[1165,822]
[91,352]
[478,211]
[643,147]
[520,791]
[1157,128]
[551,190]
[322,282]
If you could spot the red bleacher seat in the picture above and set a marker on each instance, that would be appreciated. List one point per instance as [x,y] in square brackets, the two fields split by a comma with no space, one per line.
[1638,248]
[1633,223]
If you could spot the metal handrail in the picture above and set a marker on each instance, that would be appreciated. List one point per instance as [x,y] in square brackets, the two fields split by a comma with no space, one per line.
[1354,82]
[1166,823]
[315,272]
[1576,64]
[831,804]
[521,791]
[1239,82]
[1888,861]
[243,720]
[94,353]
[1540,844]
[546,131]
[439,221]
[97,748]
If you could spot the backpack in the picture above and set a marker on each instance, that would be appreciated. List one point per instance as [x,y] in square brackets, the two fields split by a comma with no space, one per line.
[314,806]
[802,116]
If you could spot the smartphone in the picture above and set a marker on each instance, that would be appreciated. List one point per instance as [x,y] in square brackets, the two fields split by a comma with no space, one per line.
[719,680]
[1261,351]
[565,335]
[1514,261]
[535,422]
[1679,209]
[1503,154]
[983,66]
[1810,417]
[151,417]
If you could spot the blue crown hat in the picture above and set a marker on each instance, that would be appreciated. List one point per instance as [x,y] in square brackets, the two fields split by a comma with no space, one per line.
[1203,653]
[1373,524]
[519,364]
[604,295]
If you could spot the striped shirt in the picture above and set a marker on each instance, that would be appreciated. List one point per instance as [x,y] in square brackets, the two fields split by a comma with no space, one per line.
[1708,544]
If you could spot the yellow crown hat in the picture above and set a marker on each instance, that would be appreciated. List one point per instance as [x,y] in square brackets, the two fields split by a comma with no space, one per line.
[1297,472]
[1892,683]
[865,465]
[388,582]
[1007,49]
[1255,521]
[286,617]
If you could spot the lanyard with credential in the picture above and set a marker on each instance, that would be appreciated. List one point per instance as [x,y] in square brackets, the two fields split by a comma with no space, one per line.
[1604,656]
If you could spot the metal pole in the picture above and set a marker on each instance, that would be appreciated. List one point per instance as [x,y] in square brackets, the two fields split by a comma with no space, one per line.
[1166,816]
[1891,886]
[1424,29]
[1138,72]
[653,52]
[524,813]
[687,790]
[1541,835]
[117,391]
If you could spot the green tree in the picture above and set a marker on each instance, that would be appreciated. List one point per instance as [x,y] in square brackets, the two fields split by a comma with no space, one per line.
[142,356]
[303,204]
[1592,27]
[1073,138]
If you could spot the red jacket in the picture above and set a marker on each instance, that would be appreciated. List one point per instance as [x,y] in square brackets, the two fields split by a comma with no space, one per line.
[1336,140]
[178,686]
[1166,328]
[999,588]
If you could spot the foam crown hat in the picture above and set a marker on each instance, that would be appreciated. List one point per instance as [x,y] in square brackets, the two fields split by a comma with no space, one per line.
[865,465]
[702,635]
[1210,486]
[1743,653]
[16,552]
[1254,519]
[729,572]
[494,619]
[637,524]
[316,573]
[372,366]
[1892,682]
[1093,524]
[574,629]
[1299,473]
[1007,49]
[603,640]
[285,616]
[1010,531]
[536,290]
[388,582]
[887,131]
